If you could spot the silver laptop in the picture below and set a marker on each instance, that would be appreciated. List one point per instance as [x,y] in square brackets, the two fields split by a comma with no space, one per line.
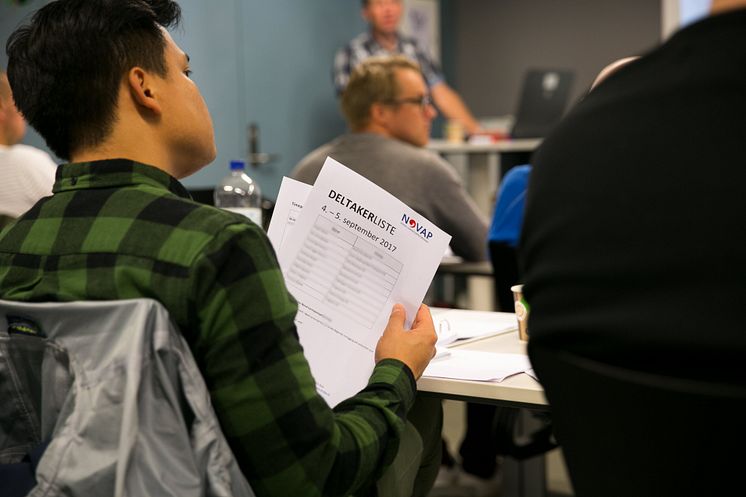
[544,97]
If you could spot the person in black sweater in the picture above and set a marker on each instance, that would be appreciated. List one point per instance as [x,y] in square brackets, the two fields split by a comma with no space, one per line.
[633,246]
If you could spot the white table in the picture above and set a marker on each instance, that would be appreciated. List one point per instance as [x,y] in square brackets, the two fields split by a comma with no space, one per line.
[519,390]
[479,165]
[520,478]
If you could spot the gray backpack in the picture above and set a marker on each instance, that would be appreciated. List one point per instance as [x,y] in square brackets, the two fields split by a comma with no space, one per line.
[112,387]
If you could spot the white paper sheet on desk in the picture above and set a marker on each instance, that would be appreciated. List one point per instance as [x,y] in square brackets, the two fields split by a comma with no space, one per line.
[353,252]
[477,366]
[456,325]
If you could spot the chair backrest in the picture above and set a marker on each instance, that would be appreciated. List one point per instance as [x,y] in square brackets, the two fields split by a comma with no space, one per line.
[633,433]
[504,233]
[115,390]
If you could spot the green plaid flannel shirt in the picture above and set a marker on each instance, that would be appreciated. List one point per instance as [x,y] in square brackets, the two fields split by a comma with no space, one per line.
[117,229]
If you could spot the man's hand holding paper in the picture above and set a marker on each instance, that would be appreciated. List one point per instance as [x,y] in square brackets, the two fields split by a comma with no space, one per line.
[413,347]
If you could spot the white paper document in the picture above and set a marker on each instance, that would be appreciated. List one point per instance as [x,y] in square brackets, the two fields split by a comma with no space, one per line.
[477,366]
[351,254]
[286,213]
[458,325]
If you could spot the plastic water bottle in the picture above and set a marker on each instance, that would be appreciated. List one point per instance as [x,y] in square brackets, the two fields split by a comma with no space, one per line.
[239,193]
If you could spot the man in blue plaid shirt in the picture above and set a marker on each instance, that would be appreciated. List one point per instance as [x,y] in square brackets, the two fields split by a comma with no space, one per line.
[106,86]
[383,18]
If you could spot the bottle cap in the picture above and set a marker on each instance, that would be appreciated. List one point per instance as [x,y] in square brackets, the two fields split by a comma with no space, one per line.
[238,165]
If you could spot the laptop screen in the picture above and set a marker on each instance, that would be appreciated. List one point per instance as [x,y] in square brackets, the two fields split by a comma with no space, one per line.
[544,97]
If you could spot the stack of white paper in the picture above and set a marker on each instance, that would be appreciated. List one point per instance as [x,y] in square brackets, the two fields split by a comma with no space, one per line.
[478,366]
[349,251]
[458,325]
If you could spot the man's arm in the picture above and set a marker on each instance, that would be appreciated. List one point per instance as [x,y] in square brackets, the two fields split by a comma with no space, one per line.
[285,437]
[453,107]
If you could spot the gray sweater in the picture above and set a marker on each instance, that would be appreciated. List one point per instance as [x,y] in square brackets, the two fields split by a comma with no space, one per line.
[416,176]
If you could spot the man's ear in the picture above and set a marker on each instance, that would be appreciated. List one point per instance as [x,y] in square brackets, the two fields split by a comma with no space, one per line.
[379,114]
[143,89]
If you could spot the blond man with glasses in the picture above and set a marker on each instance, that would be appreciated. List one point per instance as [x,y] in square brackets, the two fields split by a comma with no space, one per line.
[388,109]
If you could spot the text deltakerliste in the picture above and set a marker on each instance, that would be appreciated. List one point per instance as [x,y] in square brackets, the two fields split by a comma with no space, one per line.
[362,211]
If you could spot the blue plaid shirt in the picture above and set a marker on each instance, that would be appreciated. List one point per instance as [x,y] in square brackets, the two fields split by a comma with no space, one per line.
[364,46]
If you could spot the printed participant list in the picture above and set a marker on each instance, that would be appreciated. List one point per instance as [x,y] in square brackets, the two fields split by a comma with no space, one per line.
[336,266]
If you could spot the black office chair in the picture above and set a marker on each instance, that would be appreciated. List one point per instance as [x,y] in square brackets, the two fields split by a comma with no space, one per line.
[504,233]
[504,259]
[631,433]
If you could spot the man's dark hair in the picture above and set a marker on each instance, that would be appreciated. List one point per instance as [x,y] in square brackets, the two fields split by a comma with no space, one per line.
[66,65]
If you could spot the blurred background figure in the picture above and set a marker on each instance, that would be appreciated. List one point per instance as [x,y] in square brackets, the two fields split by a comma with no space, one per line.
[26,173]
[383,38]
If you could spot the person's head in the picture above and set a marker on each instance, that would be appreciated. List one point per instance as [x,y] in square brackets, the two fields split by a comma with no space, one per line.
[12,125]
[388,96]
[383,15]
[84,69]
[611,69]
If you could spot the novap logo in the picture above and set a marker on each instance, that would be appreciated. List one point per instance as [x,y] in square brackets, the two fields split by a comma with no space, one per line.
[413,225]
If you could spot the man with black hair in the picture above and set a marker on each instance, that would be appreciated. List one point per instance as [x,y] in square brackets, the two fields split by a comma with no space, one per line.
[110,91]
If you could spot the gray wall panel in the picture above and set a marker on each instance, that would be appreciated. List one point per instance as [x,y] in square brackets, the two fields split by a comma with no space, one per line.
[497,40]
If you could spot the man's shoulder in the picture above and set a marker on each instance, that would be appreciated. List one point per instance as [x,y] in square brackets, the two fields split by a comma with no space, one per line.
[192,225]
[367,147]
[408,40]
[360,41]
[413,47]
[419,155]
[375,145]
[309,166]
[357,43]
[207,218]
[406,158]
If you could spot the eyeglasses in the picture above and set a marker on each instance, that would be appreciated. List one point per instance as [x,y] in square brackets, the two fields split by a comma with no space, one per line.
[424,101]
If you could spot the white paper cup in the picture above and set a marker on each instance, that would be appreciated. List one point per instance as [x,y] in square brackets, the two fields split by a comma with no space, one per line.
[454,131]
[521,311]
